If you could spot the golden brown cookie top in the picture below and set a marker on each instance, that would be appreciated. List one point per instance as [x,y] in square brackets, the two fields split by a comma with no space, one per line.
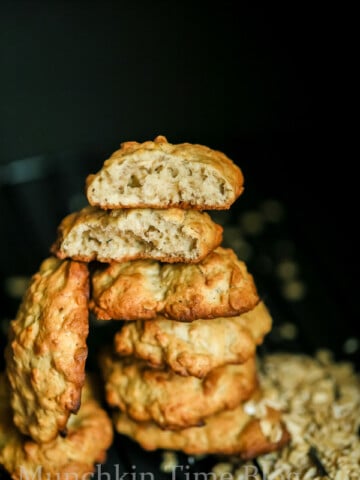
[198,347]
[158,174]
[170,400]
[219,285]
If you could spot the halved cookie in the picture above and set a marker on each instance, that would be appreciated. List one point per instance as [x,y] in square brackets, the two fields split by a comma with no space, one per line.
[230,432]
[159,174]
[172,235]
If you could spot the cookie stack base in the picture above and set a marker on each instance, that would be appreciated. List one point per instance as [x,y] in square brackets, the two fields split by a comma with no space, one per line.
[89,435]
[231,432]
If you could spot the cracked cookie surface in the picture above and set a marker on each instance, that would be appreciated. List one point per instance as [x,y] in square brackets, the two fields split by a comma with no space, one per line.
[170,400]
[195,348]
[47,351]
[172,235]
[158,174]
[218,286]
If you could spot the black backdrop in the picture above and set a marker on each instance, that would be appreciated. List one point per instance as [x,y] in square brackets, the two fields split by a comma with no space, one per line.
[265,84]
[83,74]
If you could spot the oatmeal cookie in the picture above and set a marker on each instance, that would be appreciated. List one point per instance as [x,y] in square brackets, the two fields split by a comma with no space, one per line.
[197,347]
[172,235]
[170,400]
[89,435]
[218,286]
[159,174]
[46,351]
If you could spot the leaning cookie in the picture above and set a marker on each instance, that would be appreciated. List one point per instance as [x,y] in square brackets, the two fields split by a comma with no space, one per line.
[173,401]
[159,174]
[89,435]
[231,432]
[172,235]
[46,352]
[218,286]
[198,347]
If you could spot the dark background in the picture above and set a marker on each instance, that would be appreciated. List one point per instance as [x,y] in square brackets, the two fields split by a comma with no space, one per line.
[269,85]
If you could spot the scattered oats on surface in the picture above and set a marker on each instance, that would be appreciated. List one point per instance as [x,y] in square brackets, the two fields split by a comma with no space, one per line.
[169,462]
[325,357]
[266,426]
[320,400]
[221,468]
[247,471]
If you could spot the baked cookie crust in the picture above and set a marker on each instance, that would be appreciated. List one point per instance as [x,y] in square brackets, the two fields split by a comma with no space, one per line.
[197,347]
[46,351]
[89,435]
[173,401]
[218,286]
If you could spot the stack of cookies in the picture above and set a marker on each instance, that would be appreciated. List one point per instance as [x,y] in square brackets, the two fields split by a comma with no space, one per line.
[181,370]
[182,366]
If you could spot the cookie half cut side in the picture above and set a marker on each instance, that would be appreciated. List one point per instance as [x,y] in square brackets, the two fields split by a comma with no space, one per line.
[218,286]
[230,432]
[172,235]
[158,174]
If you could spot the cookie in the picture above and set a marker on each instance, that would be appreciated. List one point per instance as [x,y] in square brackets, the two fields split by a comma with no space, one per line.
[173,401]
[89,435]
[230,432]
[172,235]
[46,351]
[197,347]
[218,286]
[159,174]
